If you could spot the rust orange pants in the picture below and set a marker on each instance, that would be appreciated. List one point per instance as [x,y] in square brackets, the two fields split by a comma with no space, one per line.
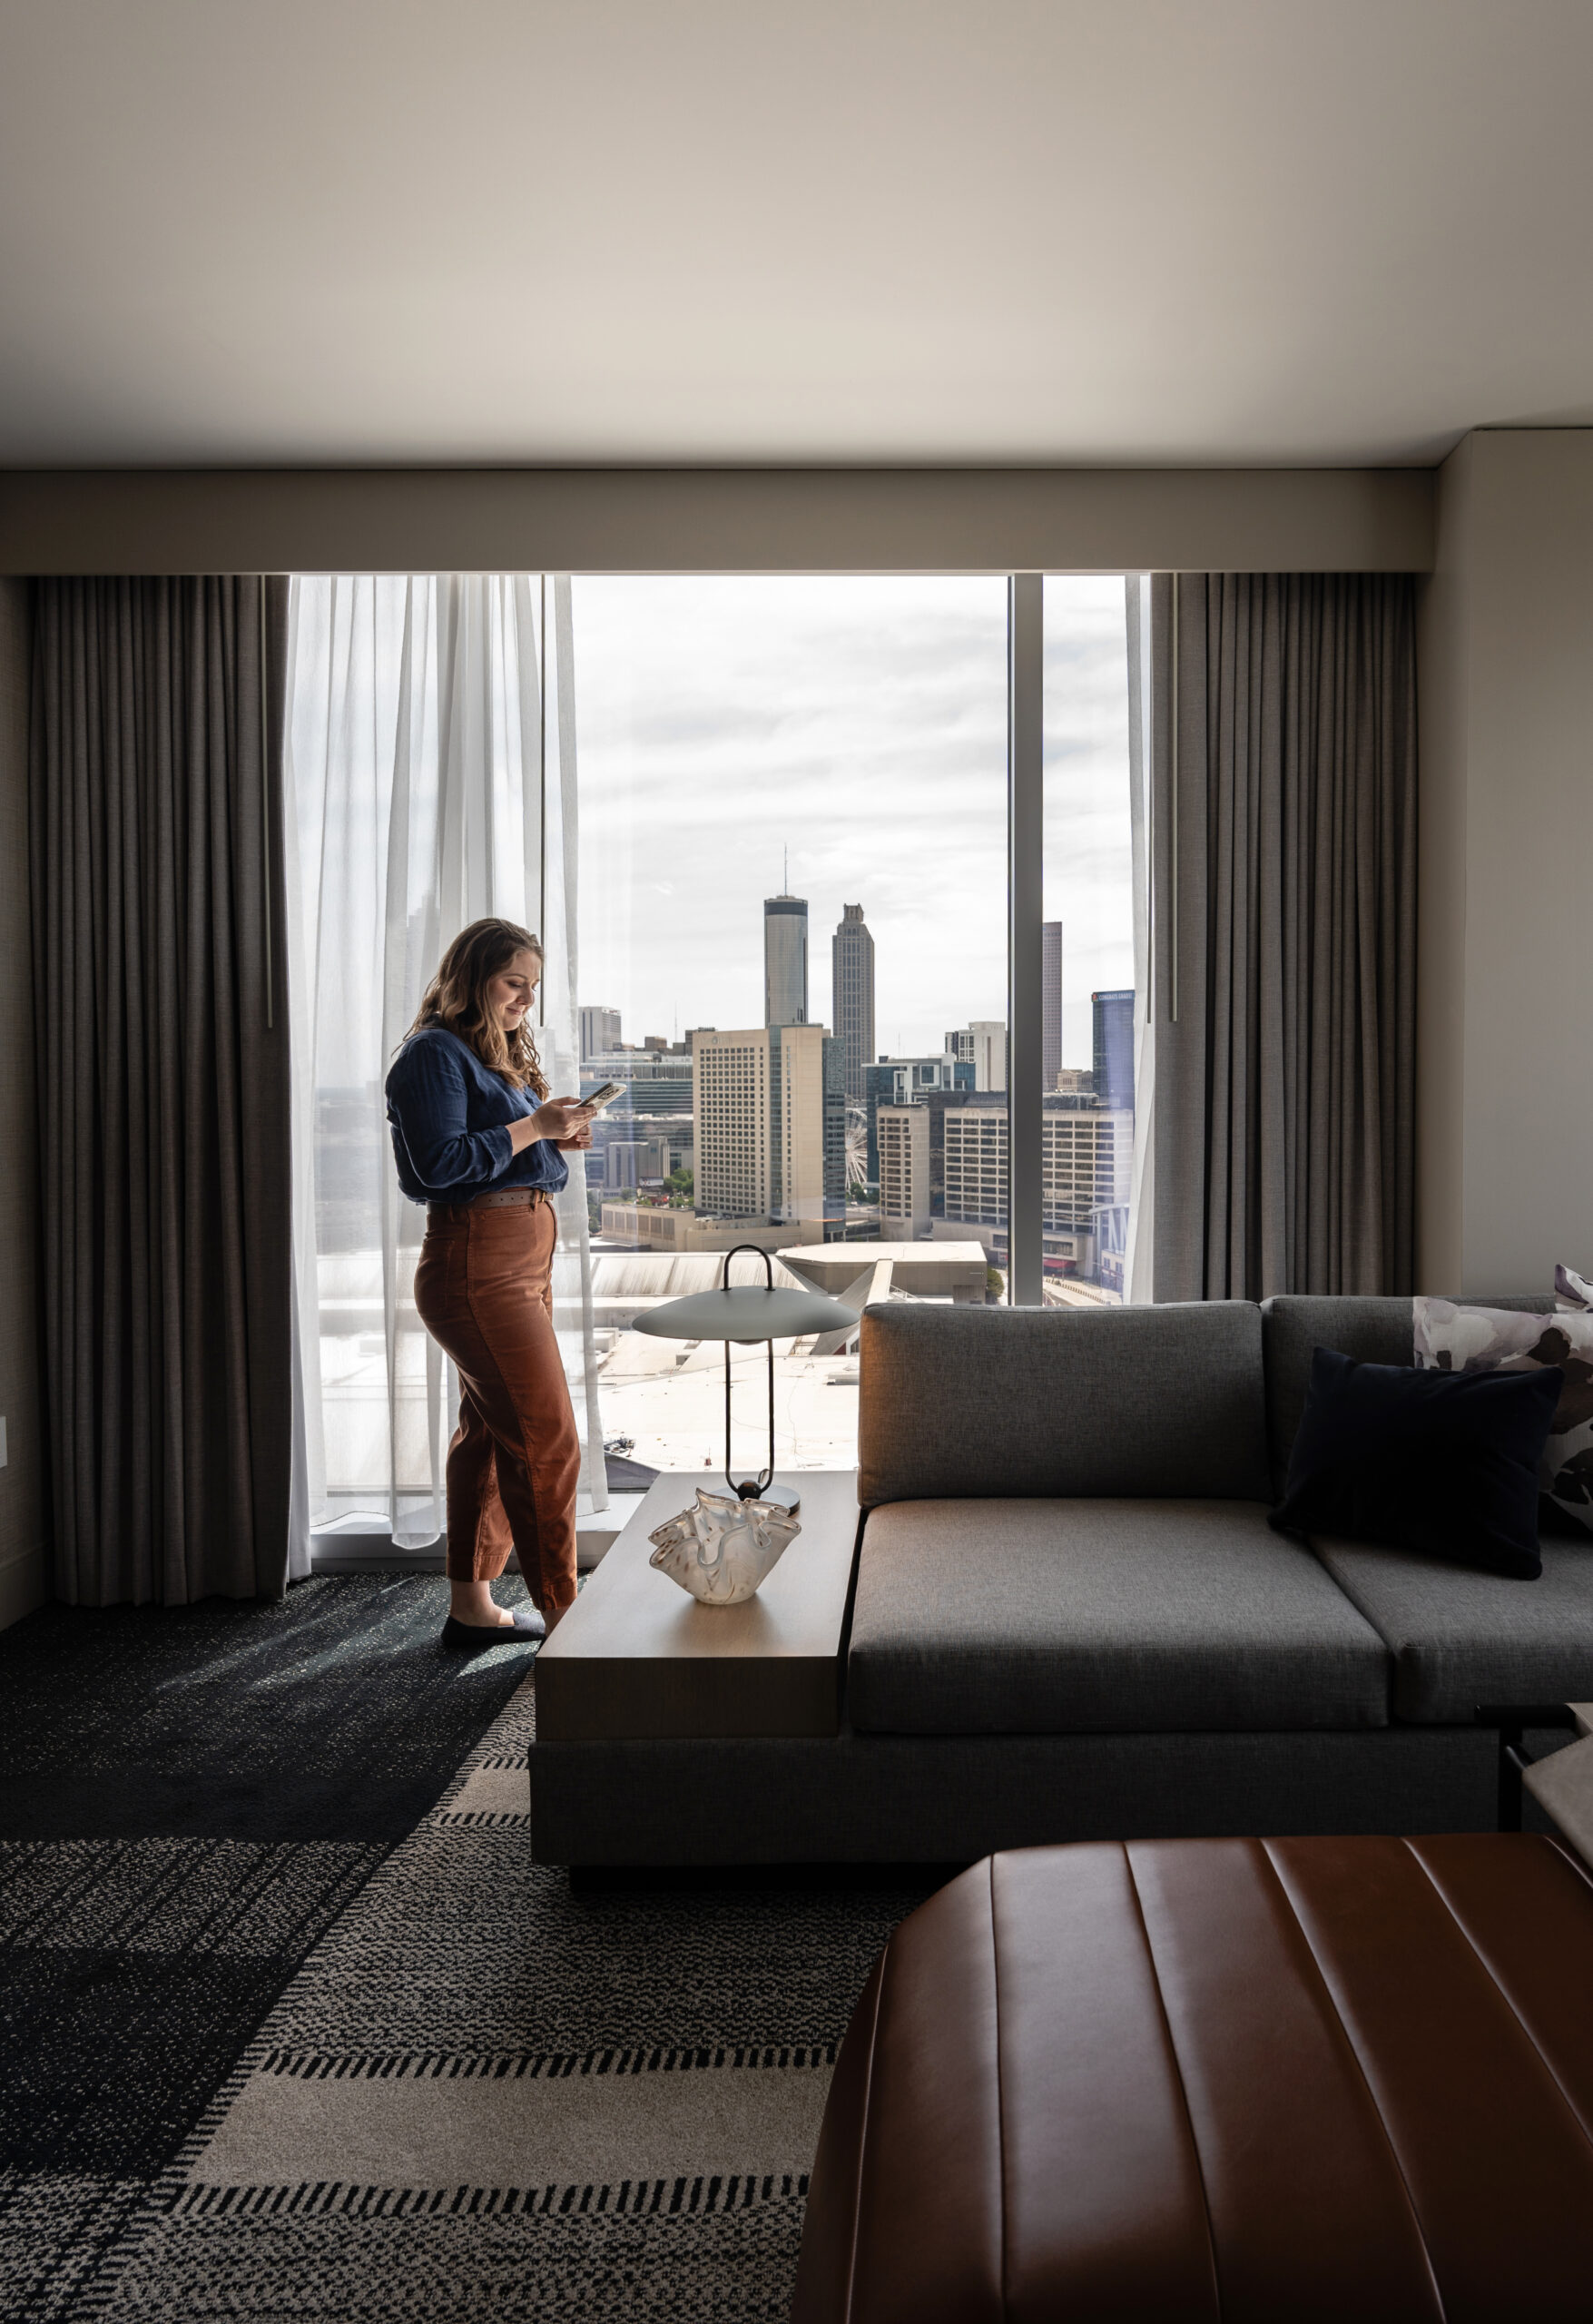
[484,1287]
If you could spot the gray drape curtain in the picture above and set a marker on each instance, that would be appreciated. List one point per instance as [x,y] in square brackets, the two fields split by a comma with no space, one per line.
[164,1085]
[1283,957]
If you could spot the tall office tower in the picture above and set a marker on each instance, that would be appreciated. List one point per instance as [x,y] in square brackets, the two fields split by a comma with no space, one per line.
[851,957]
[959,1045]
[785,960]
[1114,1030]
[768,1124]
[600,1030]
[1051,1002]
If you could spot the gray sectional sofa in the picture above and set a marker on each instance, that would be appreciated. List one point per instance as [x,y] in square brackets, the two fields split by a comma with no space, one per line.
[1071,1620]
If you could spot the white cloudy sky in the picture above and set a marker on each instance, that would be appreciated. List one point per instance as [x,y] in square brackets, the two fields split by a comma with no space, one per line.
[860,721]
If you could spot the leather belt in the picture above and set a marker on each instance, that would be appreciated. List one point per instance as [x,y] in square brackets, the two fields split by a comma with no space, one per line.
[517,1197]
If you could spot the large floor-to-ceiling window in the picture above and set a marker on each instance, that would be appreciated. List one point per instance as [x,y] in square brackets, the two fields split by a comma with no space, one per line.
[795,959]
[767,824]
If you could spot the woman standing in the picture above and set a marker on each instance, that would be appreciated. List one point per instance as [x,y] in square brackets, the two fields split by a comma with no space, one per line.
[478,1140]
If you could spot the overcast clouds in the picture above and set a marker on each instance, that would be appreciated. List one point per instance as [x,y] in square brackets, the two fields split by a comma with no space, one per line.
[862,722]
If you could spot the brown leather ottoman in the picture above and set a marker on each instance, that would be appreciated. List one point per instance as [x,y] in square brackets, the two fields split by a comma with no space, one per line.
[1269,2081]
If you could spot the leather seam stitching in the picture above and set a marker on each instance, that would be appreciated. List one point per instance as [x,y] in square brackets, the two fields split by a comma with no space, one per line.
[1527,2035]
[857,2208]
[1353,2048]
[1150,1954]
[1563,1849]
[1001,2094]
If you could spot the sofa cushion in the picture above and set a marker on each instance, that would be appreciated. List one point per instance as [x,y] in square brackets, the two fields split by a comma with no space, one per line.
[1460,1639]
[1441,1461]
[1062,1401]
[1459,1337]
[1373,1331]
[1063,1616]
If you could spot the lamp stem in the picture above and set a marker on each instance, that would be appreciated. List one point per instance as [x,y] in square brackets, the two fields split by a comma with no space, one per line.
[765,1476]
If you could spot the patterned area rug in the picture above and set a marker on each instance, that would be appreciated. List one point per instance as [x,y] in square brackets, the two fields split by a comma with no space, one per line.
[474,2091]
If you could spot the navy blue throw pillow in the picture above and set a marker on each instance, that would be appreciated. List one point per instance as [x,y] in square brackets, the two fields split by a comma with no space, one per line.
[1441,1462]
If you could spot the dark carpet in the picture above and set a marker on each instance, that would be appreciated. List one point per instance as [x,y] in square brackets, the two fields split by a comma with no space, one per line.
[189,1798]
[334,1716]
[295,2029]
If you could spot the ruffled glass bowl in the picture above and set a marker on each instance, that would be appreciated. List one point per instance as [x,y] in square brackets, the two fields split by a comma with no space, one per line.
[723,1550]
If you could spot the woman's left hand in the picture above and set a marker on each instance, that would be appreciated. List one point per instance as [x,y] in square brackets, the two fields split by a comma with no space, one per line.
[581,1139]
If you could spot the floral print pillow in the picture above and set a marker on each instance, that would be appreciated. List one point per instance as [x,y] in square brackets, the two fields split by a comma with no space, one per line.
[1453,1338]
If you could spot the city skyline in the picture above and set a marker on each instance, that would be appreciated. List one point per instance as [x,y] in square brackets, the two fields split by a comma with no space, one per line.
[861,723]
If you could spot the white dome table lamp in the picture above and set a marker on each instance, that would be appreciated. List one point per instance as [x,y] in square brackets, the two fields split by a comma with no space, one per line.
[741,1315]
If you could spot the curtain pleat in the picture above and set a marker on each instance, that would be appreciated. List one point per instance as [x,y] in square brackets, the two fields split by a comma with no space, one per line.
[1285,934]
[158,909]
[431,775]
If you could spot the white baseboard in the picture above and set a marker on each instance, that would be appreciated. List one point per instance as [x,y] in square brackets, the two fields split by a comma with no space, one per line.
[24,1586]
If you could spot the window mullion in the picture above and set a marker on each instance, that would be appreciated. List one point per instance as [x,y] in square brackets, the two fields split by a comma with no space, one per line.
[1026,800]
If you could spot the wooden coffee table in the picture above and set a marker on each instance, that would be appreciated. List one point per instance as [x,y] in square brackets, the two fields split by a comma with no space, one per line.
[636,1658]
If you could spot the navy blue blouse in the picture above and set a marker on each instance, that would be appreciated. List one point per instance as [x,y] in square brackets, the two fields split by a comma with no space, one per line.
[450,1121]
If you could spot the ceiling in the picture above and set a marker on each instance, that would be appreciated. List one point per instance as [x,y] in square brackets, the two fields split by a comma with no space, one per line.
[259,233]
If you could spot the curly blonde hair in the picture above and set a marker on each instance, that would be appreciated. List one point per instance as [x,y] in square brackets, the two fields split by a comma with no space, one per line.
[456,1000]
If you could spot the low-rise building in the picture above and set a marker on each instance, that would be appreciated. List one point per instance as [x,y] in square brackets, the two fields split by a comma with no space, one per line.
[899,1080]
[657,1227]
[948,1267]
[982,1045]
[1088,1162]
[1086,1172]
[635,1152]
[653,1081]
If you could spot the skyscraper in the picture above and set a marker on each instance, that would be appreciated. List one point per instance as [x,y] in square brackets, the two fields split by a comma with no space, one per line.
[852,956]
[785,960]
[1051,1002]
[1114,1048]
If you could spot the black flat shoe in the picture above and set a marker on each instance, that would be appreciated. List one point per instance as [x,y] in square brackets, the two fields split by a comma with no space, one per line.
[471,1638]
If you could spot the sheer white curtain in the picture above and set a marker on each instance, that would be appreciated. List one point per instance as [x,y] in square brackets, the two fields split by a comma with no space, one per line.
[430,779]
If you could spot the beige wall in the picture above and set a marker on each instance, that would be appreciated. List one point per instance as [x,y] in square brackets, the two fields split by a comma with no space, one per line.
[22,1532]
[1297,520]
[1505,1154]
